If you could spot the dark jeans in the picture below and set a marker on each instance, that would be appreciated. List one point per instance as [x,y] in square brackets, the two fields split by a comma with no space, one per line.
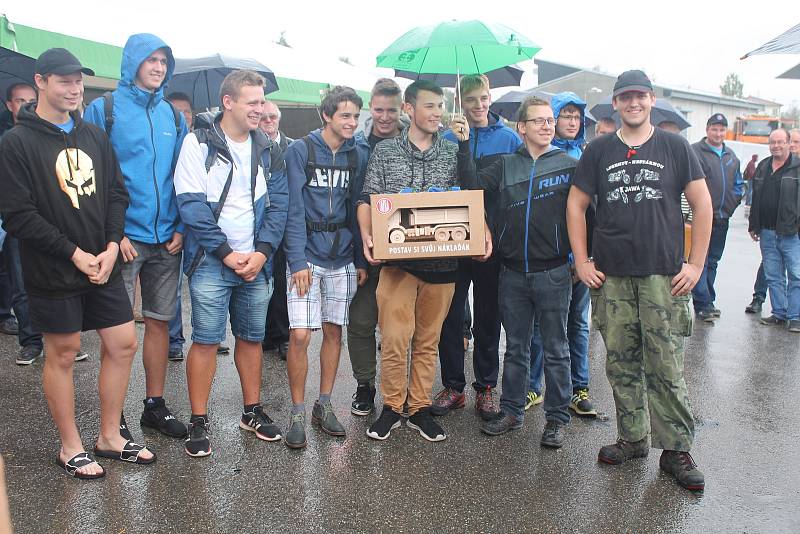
[176,339]
[362,322]
[760,287]
[543,297]
[277,330]
[578,337]
[703,294]
[19,300]
[485,330]
[6,292]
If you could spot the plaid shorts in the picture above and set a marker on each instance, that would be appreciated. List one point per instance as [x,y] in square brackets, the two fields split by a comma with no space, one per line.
[328,299]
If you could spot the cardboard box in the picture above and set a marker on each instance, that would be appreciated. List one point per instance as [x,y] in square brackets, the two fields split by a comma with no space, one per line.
[428,225]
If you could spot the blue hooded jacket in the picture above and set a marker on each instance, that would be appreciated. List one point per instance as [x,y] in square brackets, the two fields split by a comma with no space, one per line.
[145,140]
[572,147]
[325,200]
[491,140]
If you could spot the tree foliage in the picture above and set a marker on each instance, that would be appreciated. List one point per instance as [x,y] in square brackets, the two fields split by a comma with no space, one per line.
[733,86]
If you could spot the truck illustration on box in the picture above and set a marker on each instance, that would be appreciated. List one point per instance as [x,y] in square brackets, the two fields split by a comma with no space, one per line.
[414,224]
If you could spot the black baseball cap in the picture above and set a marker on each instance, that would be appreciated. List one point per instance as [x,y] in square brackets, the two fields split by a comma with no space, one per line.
[717,118]
[632,80]
[60,61]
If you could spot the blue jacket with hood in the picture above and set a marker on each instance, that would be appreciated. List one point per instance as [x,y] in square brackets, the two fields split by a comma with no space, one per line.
[146,142]
[573,147]
[331,199]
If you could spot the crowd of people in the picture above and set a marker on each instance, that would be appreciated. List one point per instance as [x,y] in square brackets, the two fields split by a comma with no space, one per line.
[276,235]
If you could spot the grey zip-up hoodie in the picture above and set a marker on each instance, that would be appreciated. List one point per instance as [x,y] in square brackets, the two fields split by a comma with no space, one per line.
[396,164]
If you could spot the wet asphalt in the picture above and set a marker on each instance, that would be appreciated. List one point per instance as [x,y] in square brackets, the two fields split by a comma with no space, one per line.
[743,382]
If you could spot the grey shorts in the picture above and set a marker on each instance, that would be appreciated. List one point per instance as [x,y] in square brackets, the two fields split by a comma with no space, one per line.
[159,273]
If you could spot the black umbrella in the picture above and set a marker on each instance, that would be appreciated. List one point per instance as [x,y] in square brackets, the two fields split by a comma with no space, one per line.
[507,105]
[503,77]
[662,111]
[201,78]
[14,68]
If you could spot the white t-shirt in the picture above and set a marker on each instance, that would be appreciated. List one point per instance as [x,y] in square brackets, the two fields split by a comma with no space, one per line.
[237,218]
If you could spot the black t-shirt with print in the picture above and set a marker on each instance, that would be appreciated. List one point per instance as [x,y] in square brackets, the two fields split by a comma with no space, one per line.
[639,225]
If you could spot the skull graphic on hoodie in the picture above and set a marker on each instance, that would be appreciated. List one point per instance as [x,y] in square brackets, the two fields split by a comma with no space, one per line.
[75,172]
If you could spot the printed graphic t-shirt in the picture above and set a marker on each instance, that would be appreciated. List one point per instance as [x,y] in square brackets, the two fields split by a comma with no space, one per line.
[639,226]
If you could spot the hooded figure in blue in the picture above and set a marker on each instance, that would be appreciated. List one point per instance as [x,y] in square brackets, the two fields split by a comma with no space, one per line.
[145,138]
[570,113]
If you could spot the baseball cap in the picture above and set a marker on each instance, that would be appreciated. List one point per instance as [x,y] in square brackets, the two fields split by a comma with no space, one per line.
[632,80]
[60,61]
[717,118]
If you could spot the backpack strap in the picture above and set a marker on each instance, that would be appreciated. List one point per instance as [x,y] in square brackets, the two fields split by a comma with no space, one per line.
[311,160]
[108,111]
[177,115]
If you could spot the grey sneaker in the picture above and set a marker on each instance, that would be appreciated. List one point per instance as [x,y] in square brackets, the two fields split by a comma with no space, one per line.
[552,437]
[682,467]
[323,415]
[501,424]
[773,320]
[295,437]
[622,451]
[794,325]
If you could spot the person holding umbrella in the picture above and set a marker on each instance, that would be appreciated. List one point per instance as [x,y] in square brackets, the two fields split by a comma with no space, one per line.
[638,279]
[489,137]
[147,132]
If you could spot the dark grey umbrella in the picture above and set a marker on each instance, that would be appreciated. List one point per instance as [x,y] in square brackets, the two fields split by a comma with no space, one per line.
[662,111]
[14,68]
[503,77]
[791,74]
[786,43]
[201,78]
[507,105]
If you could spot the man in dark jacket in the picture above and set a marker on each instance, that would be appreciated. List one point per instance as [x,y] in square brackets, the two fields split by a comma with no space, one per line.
[721,168]
[535,281]
[774,223]
[64,200]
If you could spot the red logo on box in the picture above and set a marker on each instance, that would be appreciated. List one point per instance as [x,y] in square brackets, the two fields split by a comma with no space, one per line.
[384,205]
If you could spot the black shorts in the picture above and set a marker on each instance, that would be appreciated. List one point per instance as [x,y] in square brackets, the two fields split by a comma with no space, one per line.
[100,307]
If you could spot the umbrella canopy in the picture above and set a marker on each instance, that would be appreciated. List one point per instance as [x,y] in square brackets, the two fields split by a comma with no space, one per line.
[507,105]
[201,78]
[502,77]
[786,43]
[662,111]
[468,47]
[14,68]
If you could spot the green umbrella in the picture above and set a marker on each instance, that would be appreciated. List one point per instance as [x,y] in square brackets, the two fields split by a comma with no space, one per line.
[468,47]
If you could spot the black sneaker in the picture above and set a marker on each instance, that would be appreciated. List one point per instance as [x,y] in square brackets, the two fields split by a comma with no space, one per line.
[794,326]
[388,421]
[197,443]
[28,354]
[716,312]
[9,327]
[259,423]
[363,399]
[773,321]
[175,355]
[755,306]
[283,350]
[622,451]
[501,424]
[429,429]
[706,315]
[223,349]
[552,437]
[81,356]
[123,428]
[682,467]
[157,416]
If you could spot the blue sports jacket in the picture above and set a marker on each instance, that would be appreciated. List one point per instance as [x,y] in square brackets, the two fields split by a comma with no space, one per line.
[146,142]
[573,147]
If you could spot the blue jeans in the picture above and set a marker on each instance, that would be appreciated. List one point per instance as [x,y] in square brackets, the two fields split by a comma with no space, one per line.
[543,297]
[578,337]
[176,339]
[781,258]
[216,290]
[760,287]
[27,336]
[703,294]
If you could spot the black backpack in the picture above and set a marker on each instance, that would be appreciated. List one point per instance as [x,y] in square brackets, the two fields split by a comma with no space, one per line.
[108,113]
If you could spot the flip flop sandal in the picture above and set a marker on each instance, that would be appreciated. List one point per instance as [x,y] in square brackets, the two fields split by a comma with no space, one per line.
[72,465]
[129,453]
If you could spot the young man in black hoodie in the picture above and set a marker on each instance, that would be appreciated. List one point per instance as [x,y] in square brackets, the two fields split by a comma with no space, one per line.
[65,202]
[535,279]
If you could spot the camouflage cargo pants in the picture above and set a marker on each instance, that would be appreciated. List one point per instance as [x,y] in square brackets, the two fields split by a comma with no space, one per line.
[643,327]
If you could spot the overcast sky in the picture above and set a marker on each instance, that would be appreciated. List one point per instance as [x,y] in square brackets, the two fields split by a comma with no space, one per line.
[680,43]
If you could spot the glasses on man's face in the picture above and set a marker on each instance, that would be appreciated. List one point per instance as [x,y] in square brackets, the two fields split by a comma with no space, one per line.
[570,118]
[540,121]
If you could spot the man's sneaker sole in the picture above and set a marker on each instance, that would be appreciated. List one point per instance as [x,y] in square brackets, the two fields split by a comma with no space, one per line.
[81,356]
[612,461]
[201,454]
[247,427]
[27,362]
[375,435]
[584,413]
[409,424]
[318,421]
[493,433]
[146,424]
[360,412]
